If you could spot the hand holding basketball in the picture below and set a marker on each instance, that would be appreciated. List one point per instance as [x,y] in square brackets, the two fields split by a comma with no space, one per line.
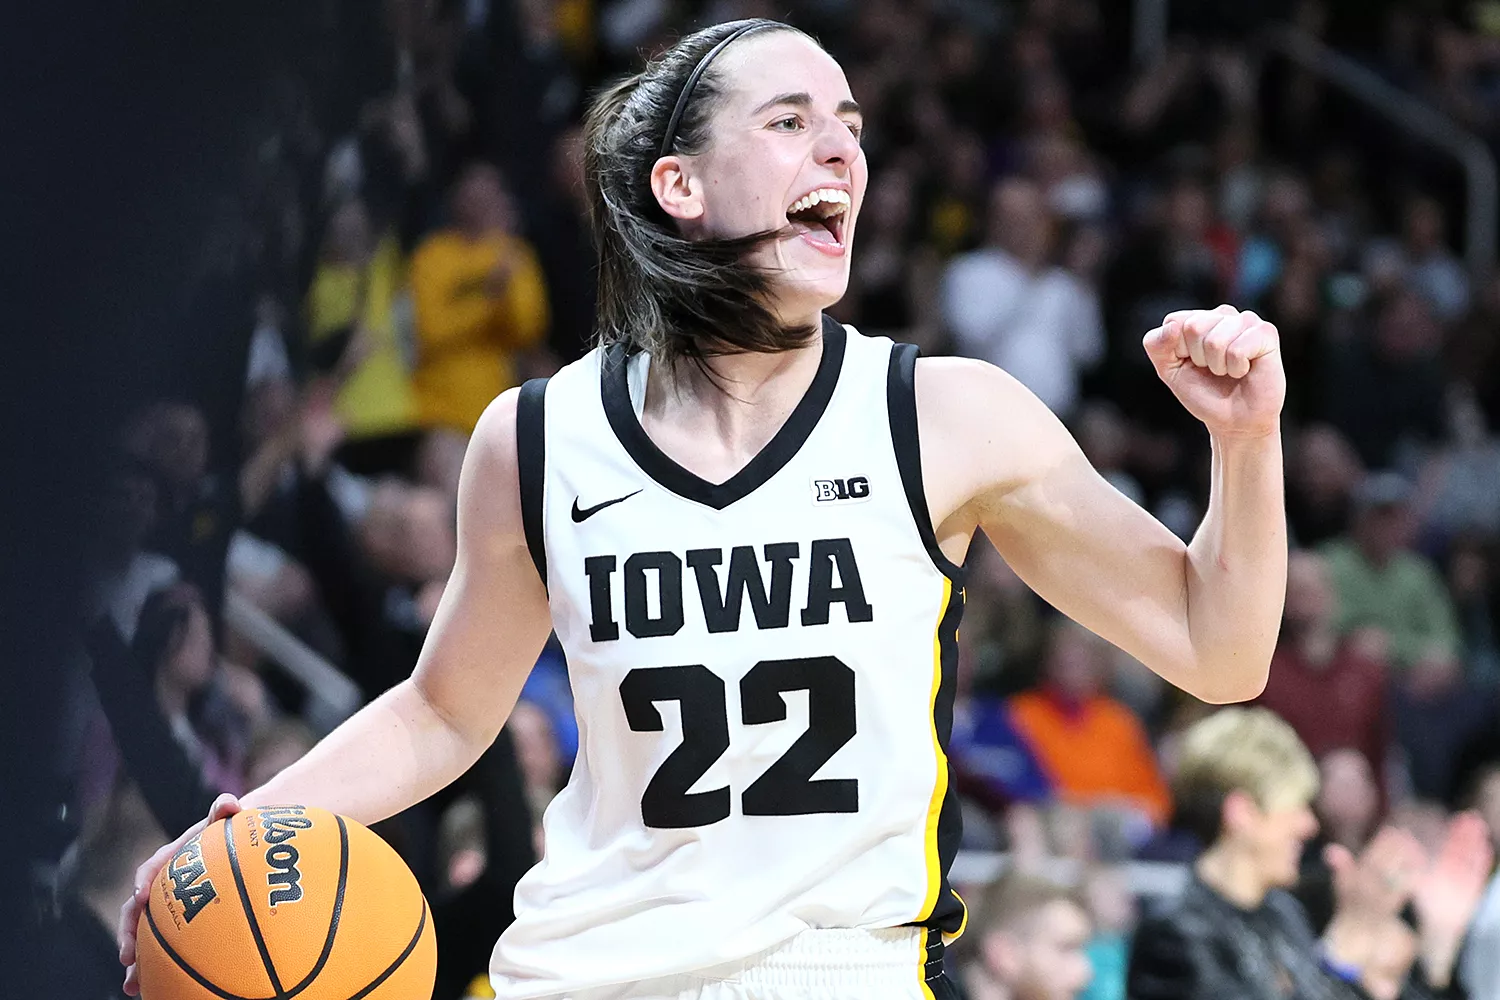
[145,875]
[1224,366]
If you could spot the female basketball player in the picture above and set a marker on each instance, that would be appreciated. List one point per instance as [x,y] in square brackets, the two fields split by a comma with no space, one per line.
[746,524]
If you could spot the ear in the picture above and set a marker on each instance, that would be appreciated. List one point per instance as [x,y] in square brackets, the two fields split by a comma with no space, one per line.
[999,954]
[1240,811]
[674,189]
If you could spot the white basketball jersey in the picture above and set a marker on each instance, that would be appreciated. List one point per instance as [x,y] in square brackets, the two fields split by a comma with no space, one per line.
[763,675]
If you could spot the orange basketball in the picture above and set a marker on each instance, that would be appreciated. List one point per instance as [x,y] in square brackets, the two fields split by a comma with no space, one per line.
[284,902]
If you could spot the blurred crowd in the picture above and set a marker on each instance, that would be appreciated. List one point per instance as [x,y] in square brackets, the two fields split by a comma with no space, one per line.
[1038,199]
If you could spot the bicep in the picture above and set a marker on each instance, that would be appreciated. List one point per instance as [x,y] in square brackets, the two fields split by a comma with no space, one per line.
[493,619]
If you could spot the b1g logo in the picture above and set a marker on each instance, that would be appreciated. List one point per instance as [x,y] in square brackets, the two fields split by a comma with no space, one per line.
[280,824]
[852,490]
[189,886]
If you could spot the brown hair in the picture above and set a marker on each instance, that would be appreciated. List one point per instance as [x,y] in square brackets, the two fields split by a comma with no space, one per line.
[658,291]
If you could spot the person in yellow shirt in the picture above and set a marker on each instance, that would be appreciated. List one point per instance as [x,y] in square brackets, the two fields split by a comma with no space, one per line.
[480,300]
[358,326]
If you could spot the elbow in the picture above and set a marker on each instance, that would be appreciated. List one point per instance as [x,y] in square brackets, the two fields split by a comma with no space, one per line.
[1230,683]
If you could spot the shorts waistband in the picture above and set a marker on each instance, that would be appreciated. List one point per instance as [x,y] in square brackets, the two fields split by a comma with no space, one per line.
[840,957]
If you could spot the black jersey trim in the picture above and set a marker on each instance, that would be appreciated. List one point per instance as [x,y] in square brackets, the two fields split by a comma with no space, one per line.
[531,463]
[768,461]
[901,402]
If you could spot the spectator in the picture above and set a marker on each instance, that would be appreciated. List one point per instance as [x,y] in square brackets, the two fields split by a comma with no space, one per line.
[1112,909]
[1348,807]
[480,300]
[175,646]
[1322,474]
[1438,713]
[98,873]
[1479,967]
[1462,482]
[1384,587]
[1333,693]
[1384,390]
[1009,304]
[1433,270]
[1032,935]
[539,758]
[1093,750]
[196,514]
[358,325]
[1246,781]
[1471,581]
[124,575]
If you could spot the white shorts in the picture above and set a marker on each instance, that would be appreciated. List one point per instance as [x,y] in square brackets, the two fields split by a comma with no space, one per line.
[825,964]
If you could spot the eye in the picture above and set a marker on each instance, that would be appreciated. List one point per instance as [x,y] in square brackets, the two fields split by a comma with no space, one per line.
[791,123]
[857,129]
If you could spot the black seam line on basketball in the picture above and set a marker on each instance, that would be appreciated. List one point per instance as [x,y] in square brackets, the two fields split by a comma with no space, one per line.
[579,516]
[338,910]
[388,973]
[196,976]
[239,882]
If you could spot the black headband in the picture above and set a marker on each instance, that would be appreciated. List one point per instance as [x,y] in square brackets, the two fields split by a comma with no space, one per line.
[692,81]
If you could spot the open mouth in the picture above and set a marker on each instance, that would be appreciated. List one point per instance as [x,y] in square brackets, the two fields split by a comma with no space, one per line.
[820,217]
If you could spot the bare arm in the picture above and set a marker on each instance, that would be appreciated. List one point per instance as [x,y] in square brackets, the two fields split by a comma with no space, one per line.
[1203,615]
[492,622]
[429,729]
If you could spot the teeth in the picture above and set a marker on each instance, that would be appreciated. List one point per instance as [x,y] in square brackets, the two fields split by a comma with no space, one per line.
[836,200]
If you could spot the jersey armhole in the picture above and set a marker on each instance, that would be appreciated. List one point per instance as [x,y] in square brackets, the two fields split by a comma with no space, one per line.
[901,403]
[531,463]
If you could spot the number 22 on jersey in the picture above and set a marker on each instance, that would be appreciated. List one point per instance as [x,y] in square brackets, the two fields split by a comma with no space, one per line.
[787,787]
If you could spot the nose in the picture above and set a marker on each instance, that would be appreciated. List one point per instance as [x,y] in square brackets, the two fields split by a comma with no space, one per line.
[836,146]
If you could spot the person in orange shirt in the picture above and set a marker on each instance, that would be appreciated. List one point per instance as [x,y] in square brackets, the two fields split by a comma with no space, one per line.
[480,301]
[1092,747]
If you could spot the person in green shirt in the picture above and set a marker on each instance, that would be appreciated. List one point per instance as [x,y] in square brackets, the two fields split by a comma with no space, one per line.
[1392,601]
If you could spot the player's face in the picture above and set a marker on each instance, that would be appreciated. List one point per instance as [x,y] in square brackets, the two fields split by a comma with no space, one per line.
[1052,962]
[784,150]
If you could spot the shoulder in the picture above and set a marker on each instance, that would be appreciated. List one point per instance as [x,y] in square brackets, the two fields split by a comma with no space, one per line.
[1291,915]
[493,444]
[971,409]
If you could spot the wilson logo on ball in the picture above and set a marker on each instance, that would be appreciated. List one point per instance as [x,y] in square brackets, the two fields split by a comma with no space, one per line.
[280,824]
[189,885]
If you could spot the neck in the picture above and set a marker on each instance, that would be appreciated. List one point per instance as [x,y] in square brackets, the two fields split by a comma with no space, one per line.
[744,400]
[980,985]
[1232,874]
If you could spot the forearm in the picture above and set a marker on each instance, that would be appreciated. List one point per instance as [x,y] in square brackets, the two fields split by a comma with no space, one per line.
[391,754]
[1236,568]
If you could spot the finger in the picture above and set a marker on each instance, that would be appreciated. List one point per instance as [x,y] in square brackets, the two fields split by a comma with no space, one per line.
[1206,317]
[225,805]
[1198,327]
[1255,342]
[132,982]
[1163,344]
[1216,343]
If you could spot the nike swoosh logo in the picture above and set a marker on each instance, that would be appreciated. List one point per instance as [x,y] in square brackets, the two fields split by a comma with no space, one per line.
[581,515]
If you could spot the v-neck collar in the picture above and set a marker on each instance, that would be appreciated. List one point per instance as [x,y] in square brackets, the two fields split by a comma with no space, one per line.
[787,441]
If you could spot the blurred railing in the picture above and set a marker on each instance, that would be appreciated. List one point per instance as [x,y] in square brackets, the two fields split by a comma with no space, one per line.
[331,696]
[1149,879]
[1414,116]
